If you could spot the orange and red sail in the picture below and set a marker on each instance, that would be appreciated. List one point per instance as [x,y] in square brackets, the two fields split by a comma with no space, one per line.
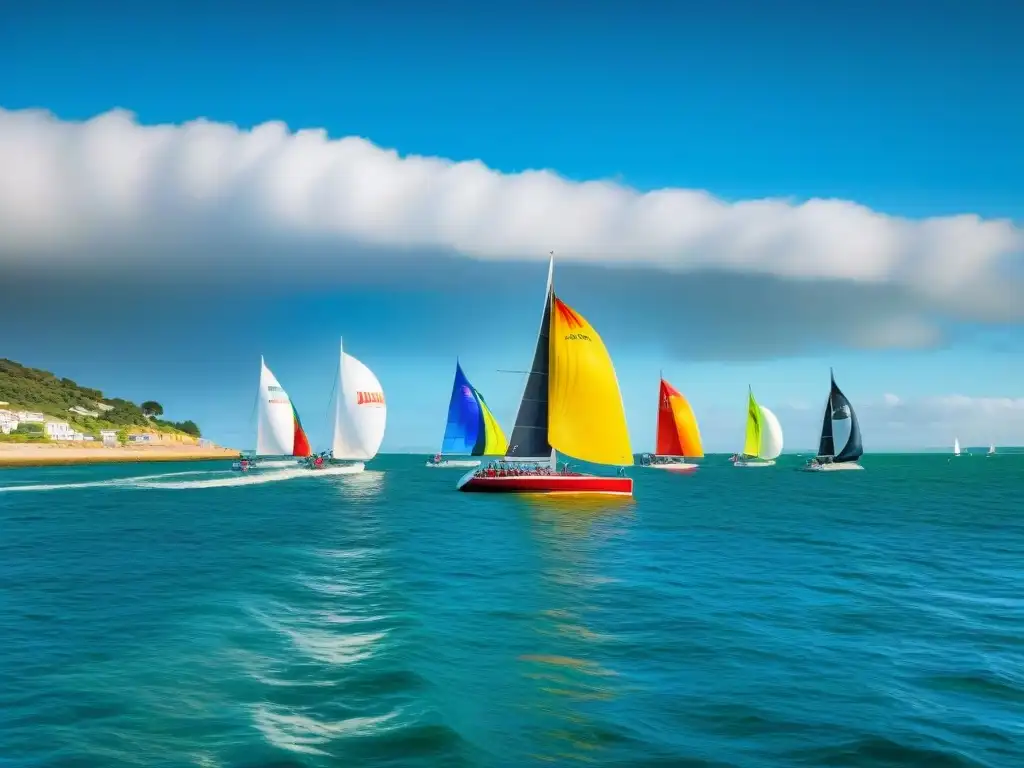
[678,434]
[300,446]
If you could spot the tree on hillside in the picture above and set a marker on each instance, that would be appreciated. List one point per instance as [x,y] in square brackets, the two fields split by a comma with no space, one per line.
[151,408]
[189,428]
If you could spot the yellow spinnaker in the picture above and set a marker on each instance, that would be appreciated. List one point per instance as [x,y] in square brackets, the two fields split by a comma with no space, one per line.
[495,443]
[586,419]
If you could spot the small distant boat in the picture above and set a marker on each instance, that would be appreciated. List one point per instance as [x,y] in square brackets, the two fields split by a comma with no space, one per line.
[280,438]
[991,449]
[471,429]
[678,434]
[571,404]
[359,416]
[763,443]
[838,427]
[956,446]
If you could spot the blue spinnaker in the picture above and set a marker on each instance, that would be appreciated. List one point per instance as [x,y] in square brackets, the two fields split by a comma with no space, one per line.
[465,423]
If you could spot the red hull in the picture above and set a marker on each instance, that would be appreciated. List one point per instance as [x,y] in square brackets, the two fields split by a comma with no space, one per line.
[568,483]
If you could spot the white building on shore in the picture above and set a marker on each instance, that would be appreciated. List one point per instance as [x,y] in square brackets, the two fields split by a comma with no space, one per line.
[8,421]
[61,430]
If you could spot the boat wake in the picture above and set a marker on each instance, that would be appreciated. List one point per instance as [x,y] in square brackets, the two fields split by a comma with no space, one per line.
[117,482]
[171,481]
[254,478]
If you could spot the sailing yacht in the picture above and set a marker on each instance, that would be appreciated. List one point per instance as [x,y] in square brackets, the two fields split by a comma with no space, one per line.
[838,427]
[956,446]
[763,443]
[571,404]
[280,438]
[471,429]
[678,434]
[991,449]
[359,415]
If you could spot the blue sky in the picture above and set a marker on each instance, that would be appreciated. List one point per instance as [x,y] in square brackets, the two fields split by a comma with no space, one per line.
[911,110]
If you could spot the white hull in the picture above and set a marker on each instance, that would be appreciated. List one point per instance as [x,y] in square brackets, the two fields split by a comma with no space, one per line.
[743,463]
[351,466]
[281,462]
[842,466]
[453,463]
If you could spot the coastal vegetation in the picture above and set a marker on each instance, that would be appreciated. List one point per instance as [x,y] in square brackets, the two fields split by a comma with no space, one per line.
[31,389]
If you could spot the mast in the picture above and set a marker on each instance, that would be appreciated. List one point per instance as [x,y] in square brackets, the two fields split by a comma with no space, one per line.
[529,439]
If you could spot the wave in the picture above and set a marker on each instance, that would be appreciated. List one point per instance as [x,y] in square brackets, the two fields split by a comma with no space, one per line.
[290,730]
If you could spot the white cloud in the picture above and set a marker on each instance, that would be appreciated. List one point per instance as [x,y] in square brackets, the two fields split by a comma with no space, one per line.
[109,193]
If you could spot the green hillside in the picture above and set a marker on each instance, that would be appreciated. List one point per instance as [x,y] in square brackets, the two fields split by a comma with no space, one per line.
[31,389]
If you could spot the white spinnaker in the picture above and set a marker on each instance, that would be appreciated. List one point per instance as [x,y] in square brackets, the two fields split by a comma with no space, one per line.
[360,413]
[275,428]
[771,434]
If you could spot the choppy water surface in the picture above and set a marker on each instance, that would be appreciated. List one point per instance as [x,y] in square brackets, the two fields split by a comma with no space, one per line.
[186,616]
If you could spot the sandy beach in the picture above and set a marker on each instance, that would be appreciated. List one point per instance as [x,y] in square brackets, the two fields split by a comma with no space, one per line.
[40,455]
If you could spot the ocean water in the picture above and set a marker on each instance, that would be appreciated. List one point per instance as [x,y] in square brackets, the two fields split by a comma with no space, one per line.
[182,615]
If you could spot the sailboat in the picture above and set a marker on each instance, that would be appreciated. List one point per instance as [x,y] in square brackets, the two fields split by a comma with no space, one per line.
[678,434]
[279,432]
[838,427]
[991,449]
[471,429]
[571,404]
[763,443]
[956,446]
[359,415]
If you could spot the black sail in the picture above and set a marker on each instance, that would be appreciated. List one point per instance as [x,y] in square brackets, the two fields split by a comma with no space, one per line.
[529,440]
[853,449]
[826,446]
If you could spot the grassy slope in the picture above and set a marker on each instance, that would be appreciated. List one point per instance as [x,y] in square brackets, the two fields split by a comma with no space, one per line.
[32,389]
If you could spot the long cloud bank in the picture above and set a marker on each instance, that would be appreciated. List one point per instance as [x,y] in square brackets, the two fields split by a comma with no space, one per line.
[111,194]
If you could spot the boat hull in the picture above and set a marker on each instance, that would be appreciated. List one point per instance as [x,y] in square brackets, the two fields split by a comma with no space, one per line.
[453,463]
[571,483]
[844,466]
[675,469]
[742,463]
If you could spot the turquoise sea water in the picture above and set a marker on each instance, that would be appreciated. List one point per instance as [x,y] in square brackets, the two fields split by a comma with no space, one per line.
[758,617]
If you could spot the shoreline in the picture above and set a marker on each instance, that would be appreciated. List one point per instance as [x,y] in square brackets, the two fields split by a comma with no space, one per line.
[21,455]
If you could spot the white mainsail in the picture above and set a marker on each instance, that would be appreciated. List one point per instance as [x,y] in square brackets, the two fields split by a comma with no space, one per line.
[956,446]
[360,413]
[771,435]
[991,448]
[275,428]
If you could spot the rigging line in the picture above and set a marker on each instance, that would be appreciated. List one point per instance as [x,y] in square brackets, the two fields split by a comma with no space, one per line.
[334,387]
[255,404]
